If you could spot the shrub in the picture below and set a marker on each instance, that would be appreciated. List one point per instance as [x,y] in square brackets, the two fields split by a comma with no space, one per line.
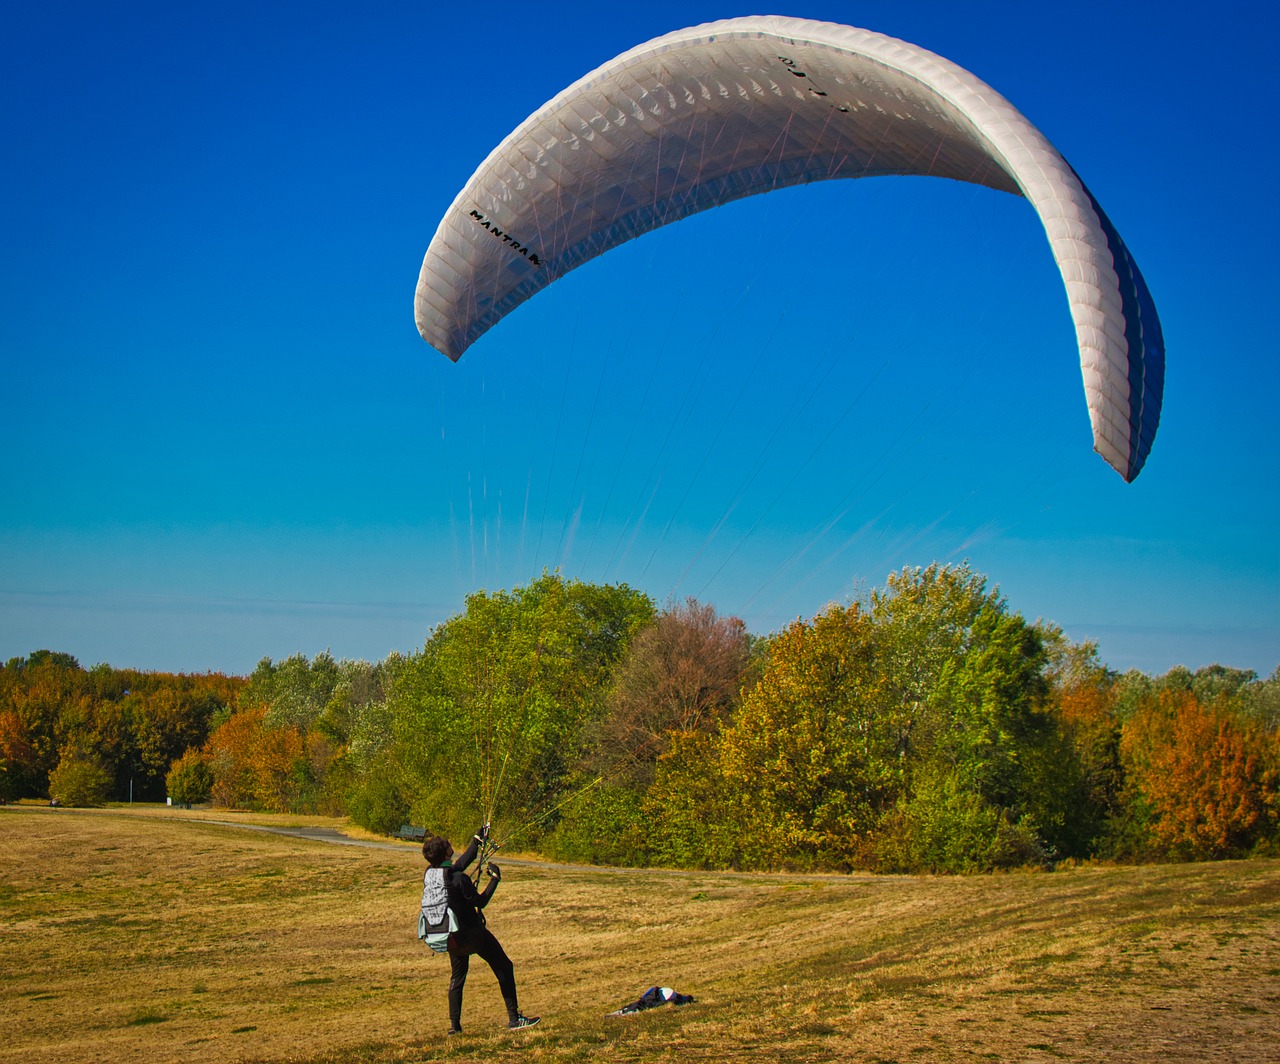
[190,780]
[947,827]
[79,780]
[378,804]
[603,824]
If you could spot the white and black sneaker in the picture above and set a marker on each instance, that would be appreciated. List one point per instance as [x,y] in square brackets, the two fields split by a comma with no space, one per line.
[522,1021]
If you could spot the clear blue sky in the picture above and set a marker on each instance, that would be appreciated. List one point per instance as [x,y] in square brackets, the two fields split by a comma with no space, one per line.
[224,439]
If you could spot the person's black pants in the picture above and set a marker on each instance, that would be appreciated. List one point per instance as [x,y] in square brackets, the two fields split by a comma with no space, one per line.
[462,944]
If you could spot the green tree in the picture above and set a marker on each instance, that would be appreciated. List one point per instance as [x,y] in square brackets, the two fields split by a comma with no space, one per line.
[377,801]
[691,817]
[79,780]
[38,689]
[295,691]
[804,764]
[944,825]
[168,718]
[315,717]
[912,734]
[190,780]
[603,823]
[487,719]
[1259,700]
[982,753]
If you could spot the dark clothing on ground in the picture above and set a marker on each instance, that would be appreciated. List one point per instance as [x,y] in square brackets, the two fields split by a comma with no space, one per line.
[472,937]
[652,998]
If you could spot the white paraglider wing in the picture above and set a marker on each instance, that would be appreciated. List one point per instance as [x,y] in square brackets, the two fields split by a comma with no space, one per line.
[710,114]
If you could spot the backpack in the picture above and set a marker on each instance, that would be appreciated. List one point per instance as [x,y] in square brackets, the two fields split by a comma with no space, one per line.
[435,919]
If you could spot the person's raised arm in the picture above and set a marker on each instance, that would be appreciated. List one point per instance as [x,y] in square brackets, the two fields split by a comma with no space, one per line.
[495,876]
[468,855]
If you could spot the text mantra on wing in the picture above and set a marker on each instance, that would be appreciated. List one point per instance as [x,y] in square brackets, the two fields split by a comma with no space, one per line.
[507,238]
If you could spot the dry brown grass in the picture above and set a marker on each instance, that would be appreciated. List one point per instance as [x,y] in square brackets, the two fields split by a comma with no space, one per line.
[150,934]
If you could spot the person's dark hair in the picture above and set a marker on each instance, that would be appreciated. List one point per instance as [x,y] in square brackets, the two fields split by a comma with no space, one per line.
[435,848]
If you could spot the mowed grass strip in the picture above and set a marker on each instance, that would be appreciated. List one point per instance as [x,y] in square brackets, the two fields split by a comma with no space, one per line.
[159,937]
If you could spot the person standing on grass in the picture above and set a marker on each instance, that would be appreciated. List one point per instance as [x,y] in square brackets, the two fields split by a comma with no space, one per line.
[472,936]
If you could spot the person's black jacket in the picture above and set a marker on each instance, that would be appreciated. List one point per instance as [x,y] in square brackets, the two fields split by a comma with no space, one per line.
[465,901]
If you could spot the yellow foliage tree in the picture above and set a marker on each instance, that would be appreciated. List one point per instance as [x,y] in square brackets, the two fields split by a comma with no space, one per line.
[798,770]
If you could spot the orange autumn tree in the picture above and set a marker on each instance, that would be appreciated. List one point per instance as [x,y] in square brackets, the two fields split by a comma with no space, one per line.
[280,769]
[1206,777]
[17,757]
[229,751]
[256,766]
[1084,698]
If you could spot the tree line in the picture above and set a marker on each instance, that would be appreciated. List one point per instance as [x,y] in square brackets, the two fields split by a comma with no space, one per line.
[928,727]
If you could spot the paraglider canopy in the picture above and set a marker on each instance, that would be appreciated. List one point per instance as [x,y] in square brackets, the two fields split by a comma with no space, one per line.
[710,114]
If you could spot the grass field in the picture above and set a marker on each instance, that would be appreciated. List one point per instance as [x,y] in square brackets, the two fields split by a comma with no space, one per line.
[149,934]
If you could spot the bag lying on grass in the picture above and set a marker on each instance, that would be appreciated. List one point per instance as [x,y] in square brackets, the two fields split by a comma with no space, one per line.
[652,998]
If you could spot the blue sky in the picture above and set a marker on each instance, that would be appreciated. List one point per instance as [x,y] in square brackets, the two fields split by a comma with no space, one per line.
[225,440]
